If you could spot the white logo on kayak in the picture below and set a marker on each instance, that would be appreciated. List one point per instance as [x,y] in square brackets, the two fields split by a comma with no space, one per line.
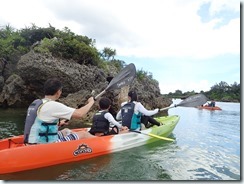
[83,148]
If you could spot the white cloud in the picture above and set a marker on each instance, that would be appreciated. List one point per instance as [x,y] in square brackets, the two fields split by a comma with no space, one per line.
[27,12]
[142,28]
[168,29]
[22,13]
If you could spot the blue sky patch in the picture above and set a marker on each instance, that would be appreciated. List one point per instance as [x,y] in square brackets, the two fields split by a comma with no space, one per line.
[224,14]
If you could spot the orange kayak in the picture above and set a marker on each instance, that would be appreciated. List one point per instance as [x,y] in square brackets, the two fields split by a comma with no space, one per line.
[16,156]
[209,108]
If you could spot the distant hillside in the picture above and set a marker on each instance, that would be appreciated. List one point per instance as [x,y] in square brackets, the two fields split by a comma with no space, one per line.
[219,92]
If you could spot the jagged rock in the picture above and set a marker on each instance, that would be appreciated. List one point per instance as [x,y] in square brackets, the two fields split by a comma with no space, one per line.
[2,68]
[8,67]
[13,91]
[36,68]
[149,94]
[33,69]
[1,83]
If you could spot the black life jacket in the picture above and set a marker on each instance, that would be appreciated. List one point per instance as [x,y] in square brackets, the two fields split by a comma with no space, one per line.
[30,117]
[127,112]
[129,118]
[100,123]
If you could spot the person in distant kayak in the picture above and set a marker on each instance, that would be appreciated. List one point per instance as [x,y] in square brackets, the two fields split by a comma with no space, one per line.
[133,113]
[43,120]
[212,103]
[103,119]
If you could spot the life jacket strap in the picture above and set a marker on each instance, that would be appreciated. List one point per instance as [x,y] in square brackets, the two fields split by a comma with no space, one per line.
[46,134]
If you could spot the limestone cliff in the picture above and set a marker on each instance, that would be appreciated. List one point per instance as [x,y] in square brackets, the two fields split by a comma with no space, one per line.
[26,84]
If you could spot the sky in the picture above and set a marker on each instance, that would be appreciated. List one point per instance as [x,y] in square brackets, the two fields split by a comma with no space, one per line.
[186,45]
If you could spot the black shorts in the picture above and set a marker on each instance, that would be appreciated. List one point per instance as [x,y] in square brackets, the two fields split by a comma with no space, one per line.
[112,131]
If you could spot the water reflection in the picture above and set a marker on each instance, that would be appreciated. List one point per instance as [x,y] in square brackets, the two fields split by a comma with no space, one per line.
[211,143]
[11,122]
[87,170]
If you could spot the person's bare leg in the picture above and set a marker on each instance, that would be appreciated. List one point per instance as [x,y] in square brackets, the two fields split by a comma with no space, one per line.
[66,131]
[84,134]
[123,131]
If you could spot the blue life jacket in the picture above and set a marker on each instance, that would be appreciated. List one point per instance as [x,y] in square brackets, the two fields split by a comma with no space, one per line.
[129,118]
[43,132]
[100,123]
[30,118]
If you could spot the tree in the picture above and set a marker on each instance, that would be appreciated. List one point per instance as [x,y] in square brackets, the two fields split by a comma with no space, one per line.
[108,54]
[11,43]
[178,92]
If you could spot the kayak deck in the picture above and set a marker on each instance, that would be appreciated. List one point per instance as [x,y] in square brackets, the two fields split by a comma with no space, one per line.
[16,156]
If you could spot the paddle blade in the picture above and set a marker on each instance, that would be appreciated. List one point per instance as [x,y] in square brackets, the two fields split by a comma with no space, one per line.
[193,101]
[124,78]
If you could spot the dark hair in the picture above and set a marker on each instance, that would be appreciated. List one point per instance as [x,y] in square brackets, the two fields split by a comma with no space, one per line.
[51,86]
[132,95]
[104,103]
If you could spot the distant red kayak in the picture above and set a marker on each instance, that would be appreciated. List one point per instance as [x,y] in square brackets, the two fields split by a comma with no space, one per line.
[209,108]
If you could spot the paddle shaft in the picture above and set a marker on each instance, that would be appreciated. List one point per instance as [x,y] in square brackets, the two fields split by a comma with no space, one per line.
[166,108]
[153,135]
[100,94]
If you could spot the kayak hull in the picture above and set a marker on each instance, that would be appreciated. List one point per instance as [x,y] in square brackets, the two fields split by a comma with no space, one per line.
[15,156]
[209,108]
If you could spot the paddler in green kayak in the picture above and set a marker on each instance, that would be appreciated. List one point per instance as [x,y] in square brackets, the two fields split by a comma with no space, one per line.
[133,113]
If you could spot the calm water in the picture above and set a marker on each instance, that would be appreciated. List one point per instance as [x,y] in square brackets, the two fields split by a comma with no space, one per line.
[207,147]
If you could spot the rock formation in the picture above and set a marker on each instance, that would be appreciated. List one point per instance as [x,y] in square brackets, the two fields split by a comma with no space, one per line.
[26,84]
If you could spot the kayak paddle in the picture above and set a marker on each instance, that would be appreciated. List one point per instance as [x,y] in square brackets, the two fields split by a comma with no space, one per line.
[153,135]
[125,77]
[192,101]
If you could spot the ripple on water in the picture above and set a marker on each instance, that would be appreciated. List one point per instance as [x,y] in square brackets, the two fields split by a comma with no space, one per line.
[8,129]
